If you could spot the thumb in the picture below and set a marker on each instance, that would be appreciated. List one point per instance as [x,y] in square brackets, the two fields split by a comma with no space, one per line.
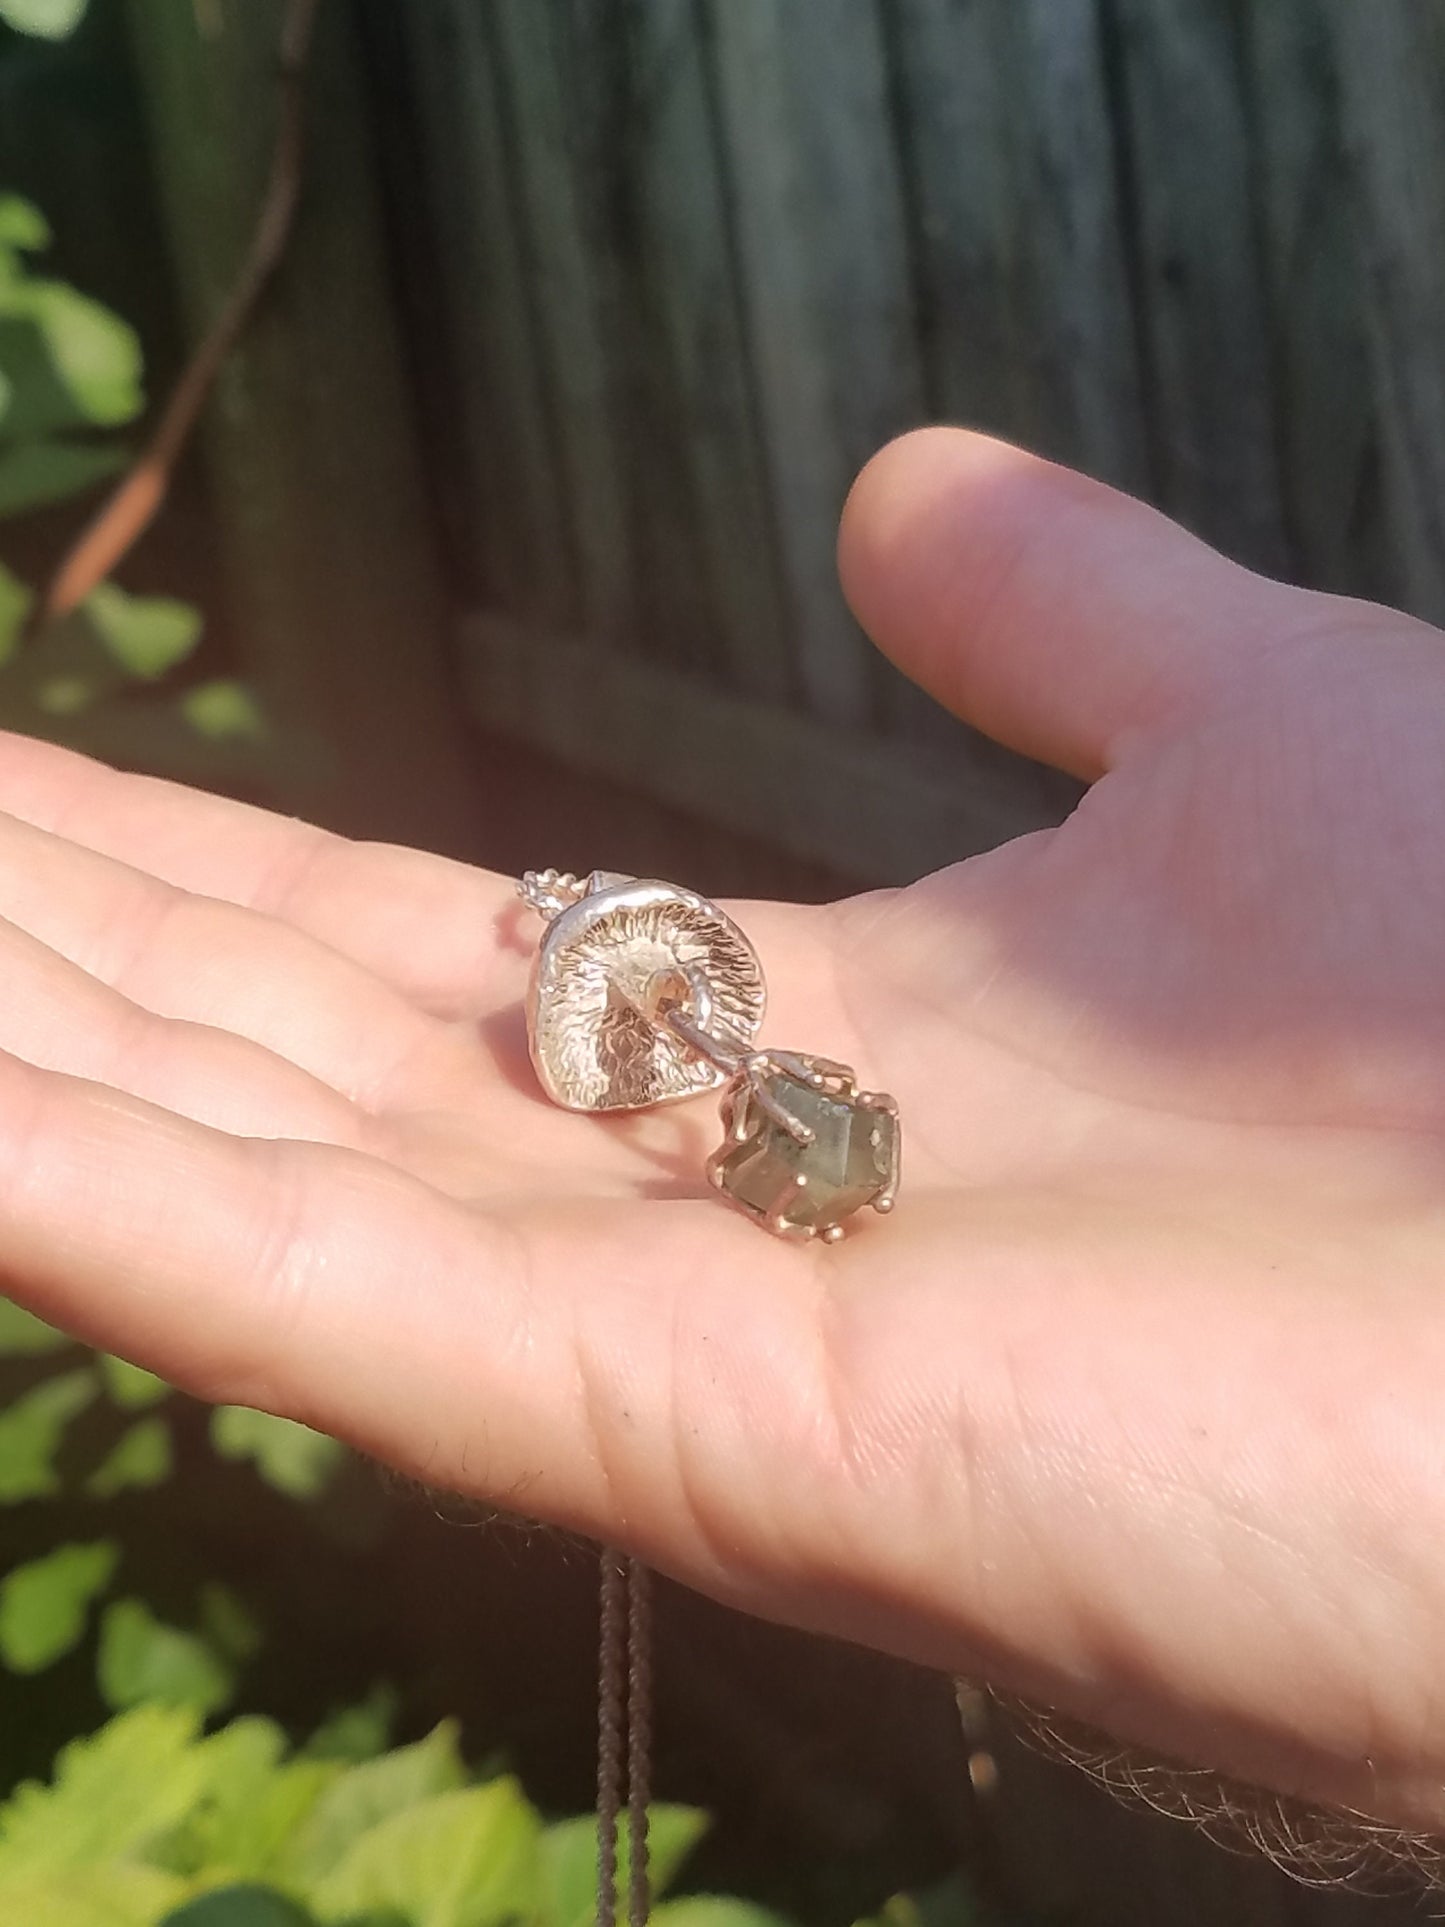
[1050,611]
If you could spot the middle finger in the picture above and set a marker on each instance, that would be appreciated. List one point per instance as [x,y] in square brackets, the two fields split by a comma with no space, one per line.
[194,957]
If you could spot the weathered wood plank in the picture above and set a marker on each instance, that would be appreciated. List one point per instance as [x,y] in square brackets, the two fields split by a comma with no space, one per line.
[876,811]
[703,457]
[1024,301]
[1390,58]
[333,595]
[1199,276]
[510,530]
[822,239]
[555,100]
[1314,287]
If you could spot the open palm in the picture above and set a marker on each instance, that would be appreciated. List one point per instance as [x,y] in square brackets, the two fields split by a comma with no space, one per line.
[1132,1404]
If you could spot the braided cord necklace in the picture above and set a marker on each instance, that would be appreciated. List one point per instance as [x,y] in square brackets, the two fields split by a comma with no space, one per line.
[624,1733]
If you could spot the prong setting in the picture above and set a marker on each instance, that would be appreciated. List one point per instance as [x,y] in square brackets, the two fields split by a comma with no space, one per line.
[803,1150]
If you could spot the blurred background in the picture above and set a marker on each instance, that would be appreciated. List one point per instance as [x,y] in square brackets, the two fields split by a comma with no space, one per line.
[497,370]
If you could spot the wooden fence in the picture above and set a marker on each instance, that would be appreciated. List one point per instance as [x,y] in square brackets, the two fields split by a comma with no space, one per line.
[657,276]
[692,261]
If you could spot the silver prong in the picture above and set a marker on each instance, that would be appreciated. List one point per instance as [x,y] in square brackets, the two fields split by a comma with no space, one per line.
[781,1227]
[886,1198]
[831,1234]
[755,1069]
[736,1120]
[878,1101]
[831,1071]
[777,1221]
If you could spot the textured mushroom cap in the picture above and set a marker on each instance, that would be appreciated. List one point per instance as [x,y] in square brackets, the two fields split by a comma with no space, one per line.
[593,1048]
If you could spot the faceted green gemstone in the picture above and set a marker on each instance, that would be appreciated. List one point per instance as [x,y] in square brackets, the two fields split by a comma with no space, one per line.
[845,1166]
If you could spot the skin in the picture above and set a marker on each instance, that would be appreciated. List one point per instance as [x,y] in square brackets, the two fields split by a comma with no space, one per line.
[1133,1406]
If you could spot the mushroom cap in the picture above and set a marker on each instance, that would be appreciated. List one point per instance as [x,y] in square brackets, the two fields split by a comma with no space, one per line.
[591,1045]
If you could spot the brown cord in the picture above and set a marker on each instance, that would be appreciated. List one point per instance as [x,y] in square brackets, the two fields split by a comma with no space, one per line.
[611,1675]
[639,1739]
[624,1733]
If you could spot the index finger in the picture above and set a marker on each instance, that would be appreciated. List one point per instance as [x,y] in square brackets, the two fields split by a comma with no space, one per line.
[439,931]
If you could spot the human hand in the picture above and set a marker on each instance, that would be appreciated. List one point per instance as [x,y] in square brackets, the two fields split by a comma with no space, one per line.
[1130,1406]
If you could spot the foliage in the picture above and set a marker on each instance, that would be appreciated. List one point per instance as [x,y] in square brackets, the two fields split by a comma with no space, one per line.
[150,1823]
[289,1457]
[70,375]
[47,1603]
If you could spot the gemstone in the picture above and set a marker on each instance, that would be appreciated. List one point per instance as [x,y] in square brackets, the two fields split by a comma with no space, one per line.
[846,1165]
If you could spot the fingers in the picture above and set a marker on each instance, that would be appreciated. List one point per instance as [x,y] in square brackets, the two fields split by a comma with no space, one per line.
[1050,611]
[284,1273]
[305,1279]
[434,929]
[56,1017]
[215,963]
[524,1357]
[463,1103]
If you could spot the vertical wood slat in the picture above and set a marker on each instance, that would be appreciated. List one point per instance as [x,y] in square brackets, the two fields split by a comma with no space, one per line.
[622,311]
[1198,275]
[821,229]
[688,463]
[330,573]
[566,252]
[511,531]
[706,414]
[1001,208]
[1390,57]
[1315,288]
[1026,311]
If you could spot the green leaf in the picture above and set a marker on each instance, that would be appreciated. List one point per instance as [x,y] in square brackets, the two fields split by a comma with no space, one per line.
[356,1733]
[147,635]
[65,695]
[223,709]
[253,1804]
[116,1896]
[47,19]
[363,1796]
[140,1458]
[44,1605]
[249,1840]
[130,1386]
[22,1334]
[239,1757]
[229,1626]
[246,1906]
[22,225]
[290,1457]
[569,1860]
[15,601]
[715,1910]
[113,1794]
[464,1859]
[31,1430]
[949,1903]
[34,474]
[142,1659]
[94,356]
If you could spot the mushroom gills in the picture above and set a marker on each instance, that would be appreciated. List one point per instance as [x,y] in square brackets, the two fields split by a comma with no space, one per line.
[594,1046]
